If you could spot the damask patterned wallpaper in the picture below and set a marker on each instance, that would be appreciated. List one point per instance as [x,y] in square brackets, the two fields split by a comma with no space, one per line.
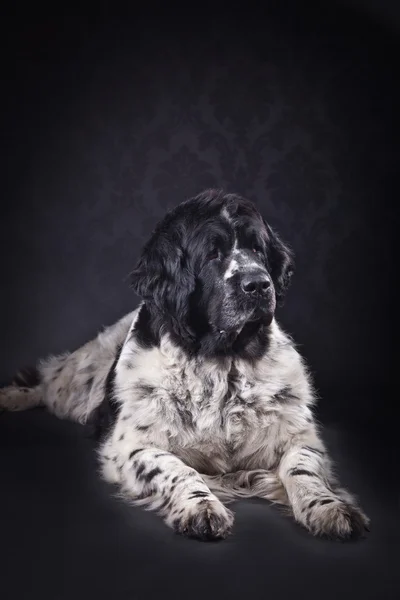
[110,123]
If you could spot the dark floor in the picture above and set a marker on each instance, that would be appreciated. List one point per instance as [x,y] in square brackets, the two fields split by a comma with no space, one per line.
[64,536]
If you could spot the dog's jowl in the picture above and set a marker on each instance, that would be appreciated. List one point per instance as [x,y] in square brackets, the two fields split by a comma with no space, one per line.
[198,396]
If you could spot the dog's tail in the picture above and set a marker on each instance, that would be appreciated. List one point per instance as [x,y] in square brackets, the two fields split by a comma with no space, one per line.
[24,392]
[247,484]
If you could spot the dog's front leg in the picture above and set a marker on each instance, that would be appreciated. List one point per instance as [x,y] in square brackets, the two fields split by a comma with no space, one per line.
[317,501]
[160,481]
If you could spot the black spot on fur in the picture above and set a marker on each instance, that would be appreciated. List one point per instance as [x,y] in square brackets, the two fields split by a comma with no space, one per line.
[284,396]
[163,503]
[148,477]
[104,416]
[184,413]
[144,389]
[198,494]
[89,382]
[295,472]
[233,382]
[139,470]
[314,450]
[313,503]
[134,452]
[121,437]
[208,387]
[142,427]
[327,501]
[27,377]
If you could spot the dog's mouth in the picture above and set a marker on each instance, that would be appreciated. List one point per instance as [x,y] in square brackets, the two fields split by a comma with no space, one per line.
[237,312]
[261,312]
[257,311]
[258,307]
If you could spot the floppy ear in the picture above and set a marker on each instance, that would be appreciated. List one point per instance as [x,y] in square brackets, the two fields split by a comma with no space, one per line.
[164,280]
[281,261]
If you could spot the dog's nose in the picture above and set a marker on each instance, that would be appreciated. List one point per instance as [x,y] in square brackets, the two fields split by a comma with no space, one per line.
[255,283]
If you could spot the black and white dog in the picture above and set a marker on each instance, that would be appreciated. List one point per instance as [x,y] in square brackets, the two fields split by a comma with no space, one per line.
[198,395]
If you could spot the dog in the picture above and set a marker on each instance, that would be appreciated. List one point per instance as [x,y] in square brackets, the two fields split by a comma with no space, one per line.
[198,397]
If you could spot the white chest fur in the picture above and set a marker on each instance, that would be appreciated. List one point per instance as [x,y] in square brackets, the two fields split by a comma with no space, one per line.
[206,409]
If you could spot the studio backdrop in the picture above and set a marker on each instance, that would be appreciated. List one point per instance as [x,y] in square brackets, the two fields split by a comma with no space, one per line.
[109,122]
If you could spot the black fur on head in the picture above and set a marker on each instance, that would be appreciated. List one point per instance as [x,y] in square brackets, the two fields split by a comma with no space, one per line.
[211,275]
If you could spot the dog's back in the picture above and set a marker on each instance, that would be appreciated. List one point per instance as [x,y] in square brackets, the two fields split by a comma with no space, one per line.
[71,385]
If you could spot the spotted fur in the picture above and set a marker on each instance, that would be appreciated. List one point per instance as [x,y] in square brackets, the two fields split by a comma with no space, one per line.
[197,408]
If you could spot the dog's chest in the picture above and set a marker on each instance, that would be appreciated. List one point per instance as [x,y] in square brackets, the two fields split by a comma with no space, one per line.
[210,403]
[211,415]
[194,403]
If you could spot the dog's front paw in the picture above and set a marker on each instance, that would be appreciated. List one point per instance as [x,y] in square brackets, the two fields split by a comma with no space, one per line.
[206,519]
[338,520]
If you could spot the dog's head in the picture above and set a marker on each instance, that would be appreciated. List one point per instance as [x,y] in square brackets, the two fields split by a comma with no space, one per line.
[212,270]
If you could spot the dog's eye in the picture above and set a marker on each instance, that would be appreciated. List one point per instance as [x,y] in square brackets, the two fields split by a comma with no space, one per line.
[257,249]
[214,254]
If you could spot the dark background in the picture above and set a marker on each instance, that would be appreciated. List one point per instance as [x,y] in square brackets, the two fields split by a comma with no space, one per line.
[113,117]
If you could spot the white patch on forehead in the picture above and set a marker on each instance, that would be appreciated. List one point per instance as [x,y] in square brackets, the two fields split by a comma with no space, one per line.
[225,214]
[233,267]
[239,262]
[245,262]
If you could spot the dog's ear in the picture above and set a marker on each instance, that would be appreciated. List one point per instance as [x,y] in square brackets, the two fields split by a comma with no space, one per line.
[164,279]
[281,262]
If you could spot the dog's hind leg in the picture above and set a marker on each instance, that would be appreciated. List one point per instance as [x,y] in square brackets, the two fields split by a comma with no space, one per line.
[25,391]
[16,398]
